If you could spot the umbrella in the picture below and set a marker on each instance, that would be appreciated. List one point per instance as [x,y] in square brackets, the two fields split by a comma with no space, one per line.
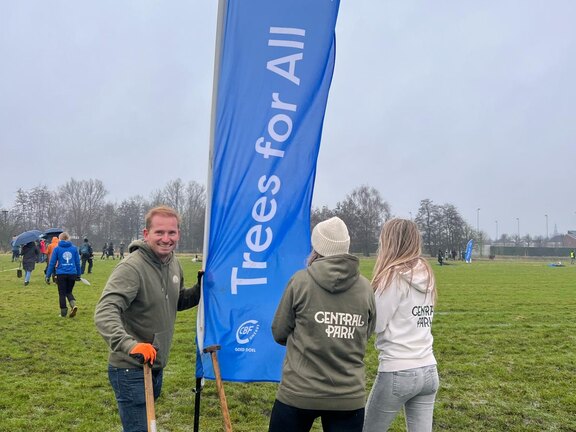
[27,237]
[51,232]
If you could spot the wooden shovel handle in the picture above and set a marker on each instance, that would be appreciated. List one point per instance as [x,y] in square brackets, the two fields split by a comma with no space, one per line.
[219,386]
[149,389]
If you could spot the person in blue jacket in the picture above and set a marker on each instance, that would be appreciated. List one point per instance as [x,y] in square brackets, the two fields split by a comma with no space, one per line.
[65,263]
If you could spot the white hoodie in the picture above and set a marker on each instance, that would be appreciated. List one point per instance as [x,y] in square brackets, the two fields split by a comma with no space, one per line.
[404,313]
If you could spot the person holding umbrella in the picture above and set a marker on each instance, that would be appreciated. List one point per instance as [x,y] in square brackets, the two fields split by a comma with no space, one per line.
[30,256]
[65,262]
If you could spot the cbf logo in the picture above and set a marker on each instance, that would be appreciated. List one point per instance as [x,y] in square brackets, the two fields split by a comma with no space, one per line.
[247,331]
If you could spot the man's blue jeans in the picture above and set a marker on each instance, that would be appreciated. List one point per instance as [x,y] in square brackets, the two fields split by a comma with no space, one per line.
[128,385]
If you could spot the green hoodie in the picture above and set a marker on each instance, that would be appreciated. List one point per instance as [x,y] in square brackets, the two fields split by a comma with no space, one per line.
[139,304]
[325,318]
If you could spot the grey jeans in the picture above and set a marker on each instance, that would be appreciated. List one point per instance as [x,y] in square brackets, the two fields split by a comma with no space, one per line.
[413,389]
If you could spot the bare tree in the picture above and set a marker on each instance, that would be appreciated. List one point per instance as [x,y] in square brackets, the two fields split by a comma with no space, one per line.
[54,212]
[442,227]
[174,195]
[107,222]
[37,208]
[23,211]
[364,211]
[193,217]
[428,220]
[130,218]
[320,214]
[82,201]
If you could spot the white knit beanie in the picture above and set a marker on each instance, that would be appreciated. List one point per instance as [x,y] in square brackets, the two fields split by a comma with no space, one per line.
[331,237]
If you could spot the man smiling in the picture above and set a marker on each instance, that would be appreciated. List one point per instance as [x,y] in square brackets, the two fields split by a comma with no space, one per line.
[137,310]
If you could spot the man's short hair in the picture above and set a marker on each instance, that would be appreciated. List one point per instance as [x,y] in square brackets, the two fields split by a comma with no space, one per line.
[162,211]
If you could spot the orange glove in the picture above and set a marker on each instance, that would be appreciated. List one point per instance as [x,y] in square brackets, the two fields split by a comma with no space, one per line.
[145,351]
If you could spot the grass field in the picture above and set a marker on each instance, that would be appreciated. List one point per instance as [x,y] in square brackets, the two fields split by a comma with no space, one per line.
[505,338]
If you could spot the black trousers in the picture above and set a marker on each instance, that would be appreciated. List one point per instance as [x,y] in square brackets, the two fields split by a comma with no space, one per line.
[65,287]
[286,418]
[90,264]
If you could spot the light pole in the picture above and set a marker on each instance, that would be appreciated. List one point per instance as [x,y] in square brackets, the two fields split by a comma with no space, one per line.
[496,238]
[518,221]
[478,230]
[5,228]
[546,226]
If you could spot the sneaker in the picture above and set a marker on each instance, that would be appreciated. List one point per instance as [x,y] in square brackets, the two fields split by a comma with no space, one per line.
[26,283]
[73,311]
[61,316]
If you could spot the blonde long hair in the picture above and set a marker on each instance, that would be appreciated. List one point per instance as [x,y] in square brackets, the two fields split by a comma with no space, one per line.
[400,250]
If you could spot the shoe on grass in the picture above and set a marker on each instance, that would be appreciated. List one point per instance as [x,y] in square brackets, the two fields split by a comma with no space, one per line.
[73,311]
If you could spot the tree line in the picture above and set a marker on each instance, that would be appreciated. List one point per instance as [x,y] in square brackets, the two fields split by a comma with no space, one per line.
[80,207]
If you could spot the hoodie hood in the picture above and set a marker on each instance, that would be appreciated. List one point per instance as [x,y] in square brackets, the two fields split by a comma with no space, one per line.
[55,241]
[64,243]
[148,253]
[418,278]
[336,273]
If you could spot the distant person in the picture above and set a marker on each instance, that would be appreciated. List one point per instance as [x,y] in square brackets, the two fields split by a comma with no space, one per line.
[15,250]
[405,299]
[30,256]
[86,256]
[42,250]
[440,257]
[325,318]
[136,318]
[572,256]
[122,247]
[110,251]
[104,251]
[53,244]
[65,263]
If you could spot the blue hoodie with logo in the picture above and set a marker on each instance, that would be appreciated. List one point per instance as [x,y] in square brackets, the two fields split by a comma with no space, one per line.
[64,260]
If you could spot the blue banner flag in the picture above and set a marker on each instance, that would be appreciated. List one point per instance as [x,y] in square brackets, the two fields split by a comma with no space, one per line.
[468,255]
[275,60]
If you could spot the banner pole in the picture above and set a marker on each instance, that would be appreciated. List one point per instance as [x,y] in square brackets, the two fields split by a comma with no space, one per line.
[200,311]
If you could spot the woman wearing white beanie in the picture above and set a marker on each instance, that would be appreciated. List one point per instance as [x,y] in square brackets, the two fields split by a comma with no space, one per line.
[325,318]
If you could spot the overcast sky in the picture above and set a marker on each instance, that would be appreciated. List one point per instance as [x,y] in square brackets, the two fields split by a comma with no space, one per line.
[471,103]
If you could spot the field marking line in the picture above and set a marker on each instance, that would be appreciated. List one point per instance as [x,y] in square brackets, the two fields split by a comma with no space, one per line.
[16,268]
